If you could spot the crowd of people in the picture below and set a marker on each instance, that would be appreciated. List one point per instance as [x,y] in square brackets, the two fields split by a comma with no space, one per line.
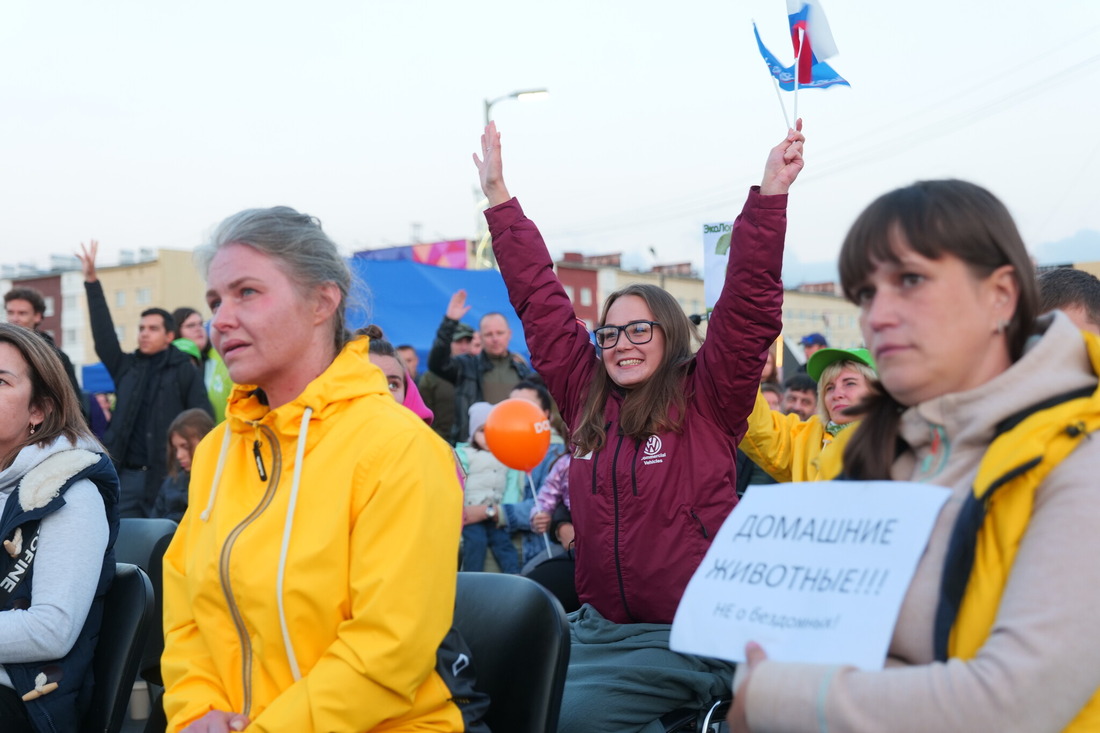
[327,493]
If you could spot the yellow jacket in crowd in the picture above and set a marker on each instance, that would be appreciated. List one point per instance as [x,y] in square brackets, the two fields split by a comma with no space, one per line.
[297,589]
[792,449]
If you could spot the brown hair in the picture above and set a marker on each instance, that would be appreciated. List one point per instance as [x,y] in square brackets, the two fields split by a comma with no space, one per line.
[1066,287]
[191,425]
[32,296]
[378,343]
[51,392]
[934,219]
[380,346]
[771,377]
[657,404]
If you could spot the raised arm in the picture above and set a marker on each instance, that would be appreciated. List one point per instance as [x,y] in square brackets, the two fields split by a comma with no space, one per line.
[440,361]
[770,439]
[489,167]
[561,351]
[87,255]
[748,315]
[107,347]
[784,163]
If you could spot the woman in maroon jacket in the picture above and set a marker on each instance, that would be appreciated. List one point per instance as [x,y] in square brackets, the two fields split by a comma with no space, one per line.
[655,429]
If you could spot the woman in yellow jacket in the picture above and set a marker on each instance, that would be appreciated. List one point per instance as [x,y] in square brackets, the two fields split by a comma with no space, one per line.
[297,597]
[791,449]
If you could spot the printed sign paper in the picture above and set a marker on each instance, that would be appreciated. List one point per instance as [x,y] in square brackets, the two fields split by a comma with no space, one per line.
[813,572]
[716,245]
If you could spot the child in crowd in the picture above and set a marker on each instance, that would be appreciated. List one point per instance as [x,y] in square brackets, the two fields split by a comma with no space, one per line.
[554,491]
[486,479]
[184,434]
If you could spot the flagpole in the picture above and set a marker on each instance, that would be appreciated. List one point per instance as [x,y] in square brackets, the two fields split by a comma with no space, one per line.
[779,95]
[546,534]
[797,71]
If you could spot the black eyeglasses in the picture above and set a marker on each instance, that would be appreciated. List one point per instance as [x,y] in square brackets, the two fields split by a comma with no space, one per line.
[637,332]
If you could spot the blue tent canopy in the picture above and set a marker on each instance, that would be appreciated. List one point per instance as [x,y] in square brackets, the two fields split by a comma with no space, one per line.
[408,300]
[94,378]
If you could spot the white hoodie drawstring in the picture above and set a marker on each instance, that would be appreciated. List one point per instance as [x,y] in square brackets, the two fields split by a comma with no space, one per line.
[287,526]
[299,455]
[205,516]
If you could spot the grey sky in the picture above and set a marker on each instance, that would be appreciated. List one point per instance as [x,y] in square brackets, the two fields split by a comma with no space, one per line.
[144,124]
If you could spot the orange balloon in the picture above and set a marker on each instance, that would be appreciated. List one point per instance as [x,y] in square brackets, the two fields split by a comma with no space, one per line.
[518,434]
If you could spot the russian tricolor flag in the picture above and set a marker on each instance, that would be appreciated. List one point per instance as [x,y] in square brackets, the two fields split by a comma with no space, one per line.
[822,75]
[810,34]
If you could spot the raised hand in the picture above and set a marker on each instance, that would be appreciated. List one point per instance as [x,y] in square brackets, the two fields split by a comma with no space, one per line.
[457,308]
[489,167]
[86,255]
[784,163]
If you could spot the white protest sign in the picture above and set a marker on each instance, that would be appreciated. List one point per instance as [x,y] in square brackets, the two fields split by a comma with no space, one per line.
[716,245]
[813,572]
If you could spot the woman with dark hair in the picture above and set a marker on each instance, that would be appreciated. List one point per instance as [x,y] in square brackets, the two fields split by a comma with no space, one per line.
[184,435]
[402,386]
[770,375]
[58,523]
[296,596]
[977,394]
[655,427]
[189,325]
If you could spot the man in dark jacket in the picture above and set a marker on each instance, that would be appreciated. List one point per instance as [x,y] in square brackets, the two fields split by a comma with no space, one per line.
[439,394]
[152,386]
[485,377]
[26,307]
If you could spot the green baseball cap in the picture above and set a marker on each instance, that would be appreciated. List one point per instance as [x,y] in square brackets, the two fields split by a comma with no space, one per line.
[824,357]
[462,331]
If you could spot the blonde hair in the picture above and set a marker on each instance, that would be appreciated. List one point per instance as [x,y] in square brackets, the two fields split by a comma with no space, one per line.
[829,375]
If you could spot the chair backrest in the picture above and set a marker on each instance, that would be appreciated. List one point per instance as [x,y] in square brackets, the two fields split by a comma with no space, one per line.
[138,537]
[519,638]
[142,542]
[127,614]
[558,575]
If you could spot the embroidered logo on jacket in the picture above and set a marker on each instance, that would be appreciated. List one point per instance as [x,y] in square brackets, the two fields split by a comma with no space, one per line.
[652,452]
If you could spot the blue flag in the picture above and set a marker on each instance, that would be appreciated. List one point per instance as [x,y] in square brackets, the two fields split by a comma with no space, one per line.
[821,74]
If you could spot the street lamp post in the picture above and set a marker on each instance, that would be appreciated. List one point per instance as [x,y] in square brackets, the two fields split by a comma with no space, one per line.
[519,94]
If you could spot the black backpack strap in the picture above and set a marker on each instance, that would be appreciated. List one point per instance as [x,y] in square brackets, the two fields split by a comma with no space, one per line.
[455,665]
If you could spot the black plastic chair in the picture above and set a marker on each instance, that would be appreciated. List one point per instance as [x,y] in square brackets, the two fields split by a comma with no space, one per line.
[557,576]
[127,616]
[519,638]
[142,542]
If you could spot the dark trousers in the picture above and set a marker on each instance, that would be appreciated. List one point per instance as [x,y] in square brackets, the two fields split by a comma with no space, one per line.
[133,500]
[477,537]
[13,713]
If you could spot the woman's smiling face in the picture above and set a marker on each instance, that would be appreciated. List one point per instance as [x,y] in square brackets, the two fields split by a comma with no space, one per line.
[629,364]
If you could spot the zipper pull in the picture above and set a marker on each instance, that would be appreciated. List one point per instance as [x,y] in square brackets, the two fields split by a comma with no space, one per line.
[259,460]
